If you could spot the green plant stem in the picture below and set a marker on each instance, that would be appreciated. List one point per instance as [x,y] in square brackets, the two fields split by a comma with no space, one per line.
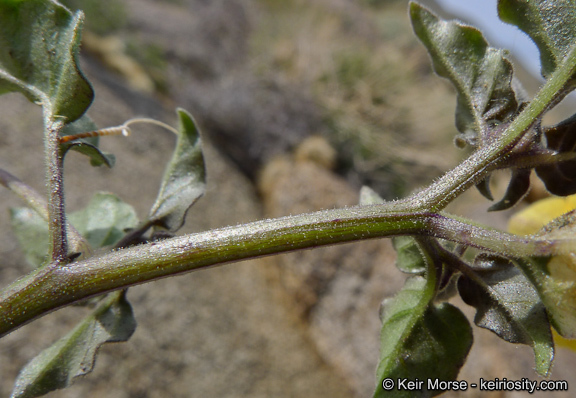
[475,168]
[55,286]
[58,251]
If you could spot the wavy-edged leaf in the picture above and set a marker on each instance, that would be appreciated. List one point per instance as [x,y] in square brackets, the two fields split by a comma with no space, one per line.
[74,354]
[555,275]
[560,178]
[184,180]
[508,304]
[104,221]
[482,75]
[550,23]
[39,43]
[86,146]
[420,341]
[555,280]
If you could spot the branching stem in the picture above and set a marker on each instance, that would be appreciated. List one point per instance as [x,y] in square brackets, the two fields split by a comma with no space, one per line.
[54,287]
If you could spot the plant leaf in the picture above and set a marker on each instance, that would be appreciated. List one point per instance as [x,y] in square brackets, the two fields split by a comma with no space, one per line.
[419,341]
[508,304]
[560,178]
[518,187]
[74,354]
[482,75]
[550,24]
[97,157]
[39,43]
[101,223]
[484,188]
[184,180]
[86,146]
[31,231]
[104,221]
[554,276]
[409,255]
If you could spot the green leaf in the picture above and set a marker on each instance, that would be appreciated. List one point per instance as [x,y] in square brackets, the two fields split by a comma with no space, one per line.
[550,23]
[420,341]
[74,354]
[409,255]
[508,304]
[31,230]
[184,180]
[86,146]
[104,221]
[39,43]
[97,157]
[560,177]
[554,276]
[482,75]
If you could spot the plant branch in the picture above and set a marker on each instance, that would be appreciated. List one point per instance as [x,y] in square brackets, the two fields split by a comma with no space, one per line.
[475,168]
[53,286]
[58,252]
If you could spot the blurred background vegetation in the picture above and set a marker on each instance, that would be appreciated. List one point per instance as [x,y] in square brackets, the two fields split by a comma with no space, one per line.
[365,81]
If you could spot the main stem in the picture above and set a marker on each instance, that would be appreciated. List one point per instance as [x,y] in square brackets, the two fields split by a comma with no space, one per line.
[57,285]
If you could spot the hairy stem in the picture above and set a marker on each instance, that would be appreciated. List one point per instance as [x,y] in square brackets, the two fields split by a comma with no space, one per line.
[52,287]
[58,252]
[475,168]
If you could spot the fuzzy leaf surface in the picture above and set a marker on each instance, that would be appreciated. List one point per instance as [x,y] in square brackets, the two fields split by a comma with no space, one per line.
[39,43]
[554,276]
[409,257]
[31,231]
[482,75]
[74,354]
[104,221]
[509,305]
[184,180]
[420,340]
[551,24]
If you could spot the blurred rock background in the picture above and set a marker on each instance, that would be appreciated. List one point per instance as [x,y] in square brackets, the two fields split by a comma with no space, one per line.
[301,103]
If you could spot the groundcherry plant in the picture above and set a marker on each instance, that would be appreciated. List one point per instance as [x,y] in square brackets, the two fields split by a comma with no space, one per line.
[521,286]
